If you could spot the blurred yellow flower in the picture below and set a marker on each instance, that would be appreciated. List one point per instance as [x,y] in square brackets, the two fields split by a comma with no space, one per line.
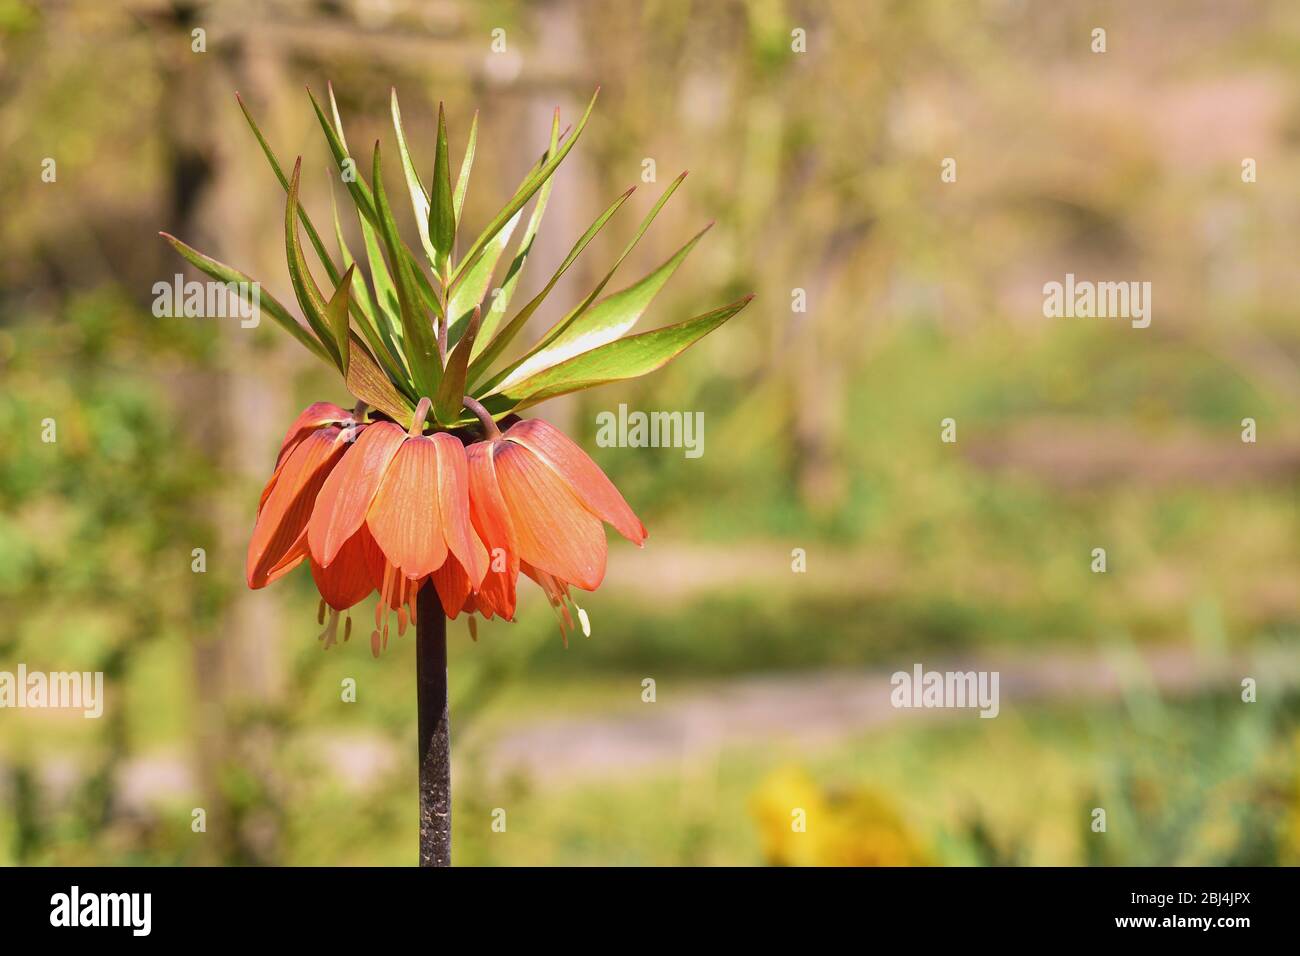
[801,824]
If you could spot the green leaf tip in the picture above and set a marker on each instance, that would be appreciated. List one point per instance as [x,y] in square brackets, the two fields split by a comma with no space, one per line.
[442,213]
[625,358]
[428,322]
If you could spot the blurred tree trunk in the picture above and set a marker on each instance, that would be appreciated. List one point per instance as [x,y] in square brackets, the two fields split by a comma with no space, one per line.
[821,350]
[802,351]
[236,661]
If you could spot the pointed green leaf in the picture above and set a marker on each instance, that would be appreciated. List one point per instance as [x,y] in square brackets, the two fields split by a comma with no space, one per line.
[419,198]
[304,286]
[424,287]
[451,393]
[361,299]
[390,310]
[442,213]
[377,334]
[627,358]
[466,164]
[560,327]
[224,273]
[417,332]
[367,381]
[361,294]
[364,198]
[334,112]
[356,185]
[530,186]
[336,317]
[387,317]
[473,285]
[474,282]
[503,338]
[609,319]
[330,268]
[375,322]
[501,301]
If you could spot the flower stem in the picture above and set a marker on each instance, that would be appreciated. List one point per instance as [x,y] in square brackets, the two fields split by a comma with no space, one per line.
[417,420]
[490,430]
[434,728]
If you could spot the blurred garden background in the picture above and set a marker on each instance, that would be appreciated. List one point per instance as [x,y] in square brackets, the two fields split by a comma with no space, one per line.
[822,167]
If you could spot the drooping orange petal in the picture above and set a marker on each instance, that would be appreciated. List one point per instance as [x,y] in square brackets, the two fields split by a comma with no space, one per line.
[404,516]
[353,573]
[453,586]
[491,520]
[553,531]
[269,487]
[291,559]
[591,485]
[475,606]
[453,507]
[314,416]
[346,496]
[283,520]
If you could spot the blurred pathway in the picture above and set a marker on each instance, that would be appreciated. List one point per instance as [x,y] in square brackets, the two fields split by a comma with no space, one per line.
[816,709]
[802,711]
[671,571]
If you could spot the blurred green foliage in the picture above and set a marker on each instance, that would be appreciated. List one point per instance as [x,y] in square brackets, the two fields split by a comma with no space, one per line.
[96,525]
[822,429]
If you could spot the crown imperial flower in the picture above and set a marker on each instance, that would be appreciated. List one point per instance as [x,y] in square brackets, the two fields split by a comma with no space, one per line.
[418,483]
[417,494]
